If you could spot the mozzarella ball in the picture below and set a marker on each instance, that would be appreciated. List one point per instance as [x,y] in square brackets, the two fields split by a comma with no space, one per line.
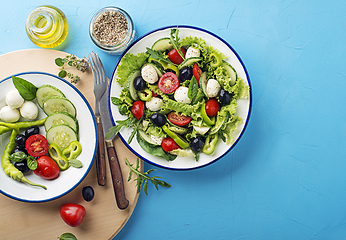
[181,95]
[154,104]
[14,99]
[192,52]
[201,130]
[213,88]
[149,74]
[8,114]
[29,110]
[157,140]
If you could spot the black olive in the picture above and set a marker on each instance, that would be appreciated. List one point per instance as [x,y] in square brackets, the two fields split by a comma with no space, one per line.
[31,131]
[88,193]
[185,74]
[158,119]
[225,97]
[139,83]
[22,166]
[20,149]
[20,140]
[197,143]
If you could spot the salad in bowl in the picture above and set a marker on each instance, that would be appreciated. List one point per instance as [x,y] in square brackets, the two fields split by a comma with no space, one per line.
[179,99]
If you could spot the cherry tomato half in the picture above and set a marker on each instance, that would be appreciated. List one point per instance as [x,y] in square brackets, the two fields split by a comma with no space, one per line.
[168,82]
[46,168]
[212,107]
[36,145]
[179,119]
[174,56]
[137,109]
[72,214]
[197,72]
[168,144]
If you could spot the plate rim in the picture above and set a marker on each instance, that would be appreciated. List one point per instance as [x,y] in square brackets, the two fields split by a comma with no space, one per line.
[96,135]
[248,81]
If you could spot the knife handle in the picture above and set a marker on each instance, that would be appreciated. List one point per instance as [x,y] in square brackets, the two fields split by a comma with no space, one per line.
[101,157]
[117,178]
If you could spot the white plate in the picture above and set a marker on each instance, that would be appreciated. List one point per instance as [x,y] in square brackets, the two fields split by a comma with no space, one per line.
[243,109]
[69,178]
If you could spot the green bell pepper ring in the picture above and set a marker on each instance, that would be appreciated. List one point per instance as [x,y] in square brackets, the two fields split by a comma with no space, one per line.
[210,144]
[179,140]
[73,150]
[207,120]
[145,95]
[56,154]
[8,167]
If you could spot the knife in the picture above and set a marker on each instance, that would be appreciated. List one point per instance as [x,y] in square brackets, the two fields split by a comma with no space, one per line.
[117,178]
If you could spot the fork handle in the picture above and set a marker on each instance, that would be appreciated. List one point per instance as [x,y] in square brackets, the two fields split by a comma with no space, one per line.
[101,158]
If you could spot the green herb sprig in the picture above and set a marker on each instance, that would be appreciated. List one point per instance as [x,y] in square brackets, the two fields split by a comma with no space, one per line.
[143,178]
[80,64]
[175,41]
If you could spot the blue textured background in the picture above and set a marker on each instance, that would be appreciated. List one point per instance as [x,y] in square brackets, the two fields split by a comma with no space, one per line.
[286,178]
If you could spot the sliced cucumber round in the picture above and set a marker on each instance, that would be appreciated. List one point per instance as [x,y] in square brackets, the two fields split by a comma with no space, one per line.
[56,104]
[46,91]
[146,137]
[61,118]
[133,91]
[190,61]
[62,135]
[203,82]
[232,73]
[162,45]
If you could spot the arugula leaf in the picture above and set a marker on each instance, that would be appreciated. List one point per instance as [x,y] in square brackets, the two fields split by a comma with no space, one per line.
[175,41]
[121,123]
[26,89]
[143,178]
[158,56]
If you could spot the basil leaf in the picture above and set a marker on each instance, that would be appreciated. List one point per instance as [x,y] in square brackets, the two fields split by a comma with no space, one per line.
[18,156]
[31,162]
[26,89]
[75,163]
[193,90]
[67,236]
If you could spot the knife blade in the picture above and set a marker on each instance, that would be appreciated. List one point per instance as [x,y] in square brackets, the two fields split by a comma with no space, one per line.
[117,178]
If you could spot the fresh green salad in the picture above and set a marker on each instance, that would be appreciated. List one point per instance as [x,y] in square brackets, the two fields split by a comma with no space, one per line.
[180,97]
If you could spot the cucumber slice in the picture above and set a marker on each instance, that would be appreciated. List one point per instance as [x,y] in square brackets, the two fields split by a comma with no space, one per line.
[133,91]
[203,82]
[61,118]
[46,91]
[62,135]
[189,61]
[162,45]
[56,104]
[232,73]
[146,137]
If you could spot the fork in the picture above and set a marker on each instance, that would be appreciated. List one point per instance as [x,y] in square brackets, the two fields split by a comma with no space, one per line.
[100,86]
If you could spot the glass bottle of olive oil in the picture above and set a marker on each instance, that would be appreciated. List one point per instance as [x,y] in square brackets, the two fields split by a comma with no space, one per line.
[47,26]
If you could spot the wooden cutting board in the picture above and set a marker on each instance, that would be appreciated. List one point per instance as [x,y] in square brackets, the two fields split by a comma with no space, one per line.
[103,220]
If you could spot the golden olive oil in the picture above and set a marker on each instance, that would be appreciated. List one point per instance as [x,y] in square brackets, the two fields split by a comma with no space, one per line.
[47,26]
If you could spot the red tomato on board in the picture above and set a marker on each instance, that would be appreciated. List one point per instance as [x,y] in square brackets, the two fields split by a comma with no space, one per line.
[168,144]
[212,107]
[137,109]
[174,56]
[47,168]
[197,72]
[72,214]
[36,145]
[179,119]
[168,82]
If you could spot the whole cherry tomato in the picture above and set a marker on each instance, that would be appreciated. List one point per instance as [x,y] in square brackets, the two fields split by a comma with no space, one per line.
[72,214]
[175,57]
[137,109]
[197,72]
[168,82]
[36,145]
[46,168]
[212,107]
[168,144]
[179,119]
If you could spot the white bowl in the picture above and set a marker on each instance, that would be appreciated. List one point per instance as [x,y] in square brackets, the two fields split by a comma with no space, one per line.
[70,178]
[243,109]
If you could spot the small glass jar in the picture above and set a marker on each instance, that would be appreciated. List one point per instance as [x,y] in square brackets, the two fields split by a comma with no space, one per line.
[47,26]
[112,30]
